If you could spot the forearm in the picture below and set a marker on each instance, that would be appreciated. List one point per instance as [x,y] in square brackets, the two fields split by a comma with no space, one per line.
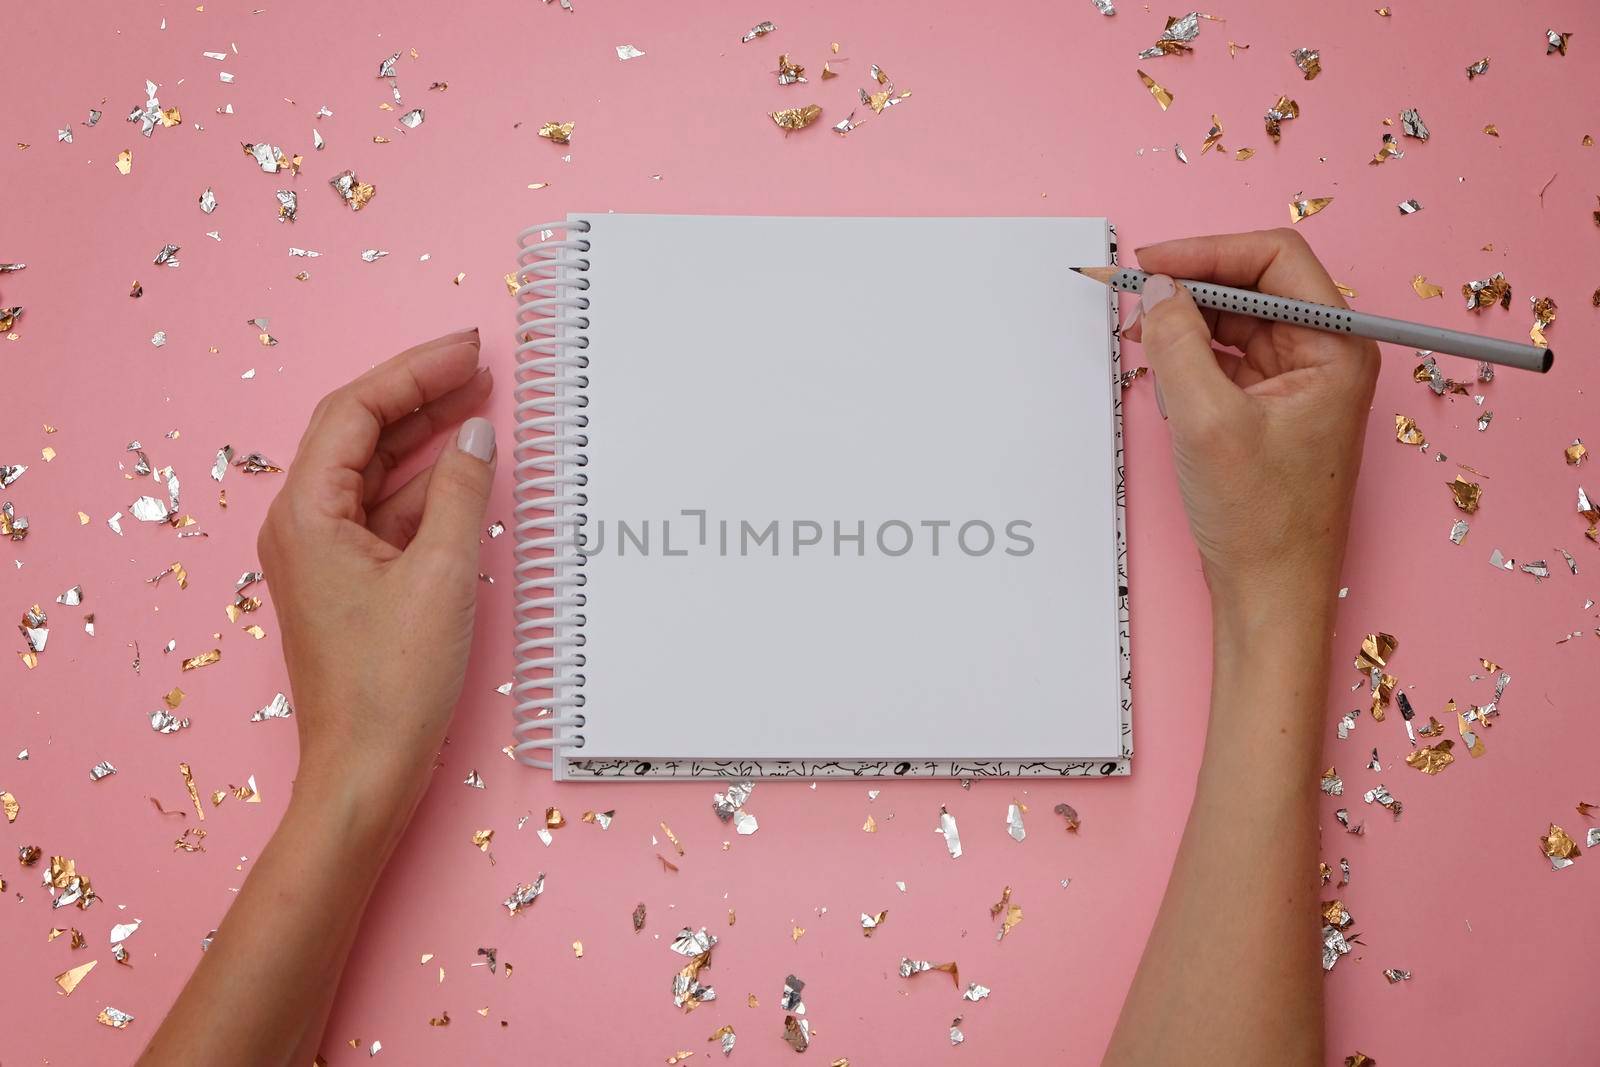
[1230,972]
[262,992]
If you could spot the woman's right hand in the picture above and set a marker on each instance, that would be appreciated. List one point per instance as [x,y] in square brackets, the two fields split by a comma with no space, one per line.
[1267,443]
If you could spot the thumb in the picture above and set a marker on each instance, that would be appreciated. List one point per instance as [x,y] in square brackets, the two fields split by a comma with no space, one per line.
[1177,342]
[458,492]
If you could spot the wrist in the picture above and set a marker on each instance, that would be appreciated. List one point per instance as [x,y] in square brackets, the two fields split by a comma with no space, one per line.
[368,802]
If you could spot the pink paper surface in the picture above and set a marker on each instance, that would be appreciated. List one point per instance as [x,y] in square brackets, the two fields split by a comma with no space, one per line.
[1018,109]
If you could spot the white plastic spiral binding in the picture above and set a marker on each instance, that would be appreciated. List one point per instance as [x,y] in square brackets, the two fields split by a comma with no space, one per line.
[549,455]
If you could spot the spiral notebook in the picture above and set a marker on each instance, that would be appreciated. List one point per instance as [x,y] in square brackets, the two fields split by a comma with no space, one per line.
[818,497]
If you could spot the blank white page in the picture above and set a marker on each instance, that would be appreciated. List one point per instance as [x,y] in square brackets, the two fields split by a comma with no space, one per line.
[852,371]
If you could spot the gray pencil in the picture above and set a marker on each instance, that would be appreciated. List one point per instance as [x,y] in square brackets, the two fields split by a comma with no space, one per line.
[1341,320]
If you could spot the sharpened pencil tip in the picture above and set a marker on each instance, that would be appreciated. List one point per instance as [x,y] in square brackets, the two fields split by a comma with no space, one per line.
[1103,275]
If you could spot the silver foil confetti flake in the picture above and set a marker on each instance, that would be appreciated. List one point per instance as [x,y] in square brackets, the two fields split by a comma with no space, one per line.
[277,708]
[1106,7]
[122,931]
[149,509]
[1538,568]
[1344,871]
[956,1036]
[1500,562]
[316,140]
[64,134]
[159,338]
[72,597]
[208,201]
[496,529]
[1572,564]
[1332,784]
[167,257]
[1014,825]
[372,255]
[1334,945]
[524,895]
[473,780]
[952,835]
[1395,975]
[1409,207]
[270,157]
[1593,840]
[690,943]
[1176,37]
[100,770]
[163,721]
[1458,532]
[1343,816]
[975,992]
[760,29]
[412,119]
[1478,69]
[117,1020]
[288,205]
[220,467]
[789,1000]
[10,473]
[256,463]
[627,51]
[797,1033]
[1484,420]
[1348,723]
[351,189]
[1381,796]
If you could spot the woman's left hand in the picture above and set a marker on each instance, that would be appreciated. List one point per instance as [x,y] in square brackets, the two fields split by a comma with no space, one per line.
[375,595]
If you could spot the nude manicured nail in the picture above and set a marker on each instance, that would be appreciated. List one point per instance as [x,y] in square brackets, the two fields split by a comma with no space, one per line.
[1161,401]
[1157,287]
[477,438]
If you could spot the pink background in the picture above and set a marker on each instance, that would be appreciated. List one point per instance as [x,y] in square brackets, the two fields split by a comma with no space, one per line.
[1018,109]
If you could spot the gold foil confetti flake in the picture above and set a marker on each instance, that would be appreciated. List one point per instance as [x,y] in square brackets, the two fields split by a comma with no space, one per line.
[951,833]
[511,284]
[601,819]
[870,826]
[442,1019]
[1309,60]
[1558,847]
[189,786]
[1375,651]
[1555,42]
[1302,207]
[117,1020]
[1424,288]
[1588,140]
[639,916]
[1162,96]
[1406,432]
[459,278]
[797,932]
[1544,316]
[101,771]
[1478,69]
[1361,1059]
[191,840]
[828,72]
[553,819]
[1213,137]
[352,190]
[1324,873]
[1346,291]
[1467,495]
[1336,915]
[789,72]
[1432,759]
[247,792]
[870,923]
[68,980]
[28,855]
[524,894]
[1128,377]
[481,839]
[1012,917]
[47,453]
[255,631]
[1331,783]
[1487,292]
[63,875]
[672,837]
[1428,371]
[204,659]
[473,780]
[8,317]
[796,118]
[8,801]
[725,1035]
[1575,452]
[1279,113]
[1389,149]
[1492,130]
[557,132]
[125,161]
[760,29]
[83,519]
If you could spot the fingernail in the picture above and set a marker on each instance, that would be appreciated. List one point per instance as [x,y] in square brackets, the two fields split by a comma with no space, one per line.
[477,438]
[1130,329]
[1157,287]
[1161,401]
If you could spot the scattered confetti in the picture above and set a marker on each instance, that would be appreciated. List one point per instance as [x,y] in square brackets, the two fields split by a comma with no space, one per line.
[952,836]
[1560,849]
[557,132]
[1279,113]
[1303,208]
[796,118]
[1162,96]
